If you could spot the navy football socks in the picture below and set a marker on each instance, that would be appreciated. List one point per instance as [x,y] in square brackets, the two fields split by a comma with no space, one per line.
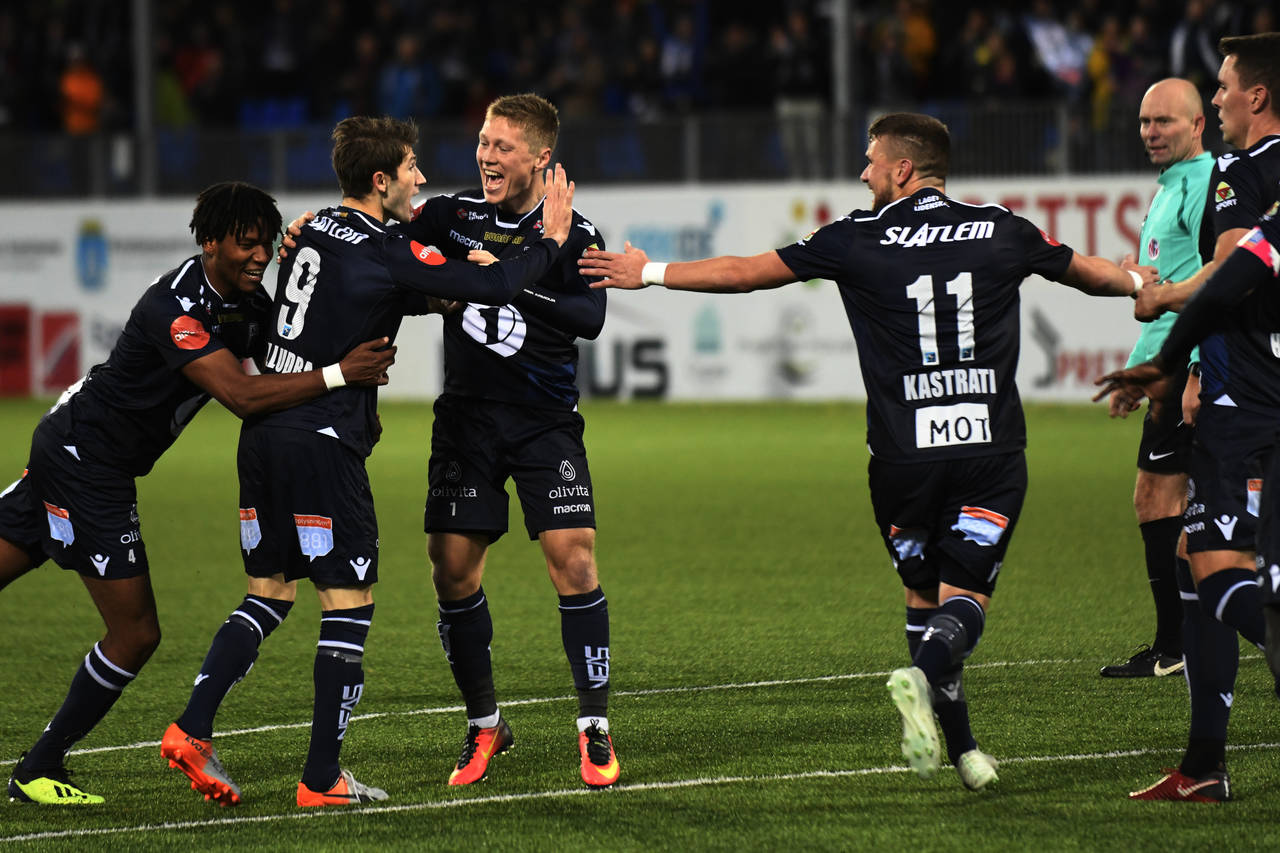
[339,680]
[231,655]
[466,629]
[95,687]
[584,630]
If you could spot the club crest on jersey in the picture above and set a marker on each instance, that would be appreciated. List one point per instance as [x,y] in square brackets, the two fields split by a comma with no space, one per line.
[315,534]
[250,531]
[984,526]
[60,528]
[429,255]
[1153,248]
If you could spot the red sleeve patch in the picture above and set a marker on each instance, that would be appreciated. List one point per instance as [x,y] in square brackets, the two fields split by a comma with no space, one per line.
[1256,243]
[1048,239]
[429,255]
[187,333]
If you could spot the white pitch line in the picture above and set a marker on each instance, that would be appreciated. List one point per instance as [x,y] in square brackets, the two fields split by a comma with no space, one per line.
[616,790]
[655,691]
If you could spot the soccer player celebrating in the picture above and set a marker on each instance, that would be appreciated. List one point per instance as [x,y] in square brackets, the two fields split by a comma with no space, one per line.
[1235,429]
[930,286]
[77,501]
[1170,120]
[509,410]
[306,507]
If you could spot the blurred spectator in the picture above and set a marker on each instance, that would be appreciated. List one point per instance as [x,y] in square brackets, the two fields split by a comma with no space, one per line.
[679,64]
[1061,47]
[82,94]
[409,87]
[919,43]
[1193,48]
[802,75]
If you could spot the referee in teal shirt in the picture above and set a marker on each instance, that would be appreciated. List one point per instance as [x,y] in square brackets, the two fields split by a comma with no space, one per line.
[1170,120]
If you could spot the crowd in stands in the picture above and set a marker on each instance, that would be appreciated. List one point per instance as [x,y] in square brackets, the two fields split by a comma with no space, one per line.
[68,64]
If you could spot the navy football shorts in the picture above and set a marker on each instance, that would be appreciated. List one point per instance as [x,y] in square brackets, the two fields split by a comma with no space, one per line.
[1166,441]
[949,521]
[68,507]
[476,445]
[1229,457]
[306,509]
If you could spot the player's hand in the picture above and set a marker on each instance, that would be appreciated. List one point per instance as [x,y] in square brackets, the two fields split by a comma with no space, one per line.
[1121,405]
[289,240]
[367,364]
[1134,383]
[557,210]
[1191,399]
[1150,275]
[614,269]
[437,305]
[1150,302]
[481,257]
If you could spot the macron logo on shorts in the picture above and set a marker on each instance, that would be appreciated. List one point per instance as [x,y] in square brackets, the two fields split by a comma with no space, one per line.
[980,525]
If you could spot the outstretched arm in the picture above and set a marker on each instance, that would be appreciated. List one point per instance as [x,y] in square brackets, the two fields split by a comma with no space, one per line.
[1100,277]
[220,374]
[632,270]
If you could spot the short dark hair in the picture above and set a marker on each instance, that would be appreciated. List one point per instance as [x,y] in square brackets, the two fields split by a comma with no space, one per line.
[922,139]
[363,145]
[233,208]
[536,117]
[1257,62]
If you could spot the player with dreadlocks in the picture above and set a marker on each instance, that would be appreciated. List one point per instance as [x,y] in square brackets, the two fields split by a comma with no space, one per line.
[76,502]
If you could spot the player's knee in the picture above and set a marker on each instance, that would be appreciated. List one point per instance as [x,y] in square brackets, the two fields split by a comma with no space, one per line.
[949,630]
[573,571]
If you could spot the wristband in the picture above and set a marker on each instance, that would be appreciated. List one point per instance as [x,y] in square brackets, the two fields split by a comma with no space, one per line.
[652,273]
[1137,282]
[333,377]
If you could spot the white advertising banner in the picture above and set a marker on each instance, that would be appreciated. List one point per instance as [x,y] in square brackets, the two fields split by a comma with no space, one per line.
[94,258]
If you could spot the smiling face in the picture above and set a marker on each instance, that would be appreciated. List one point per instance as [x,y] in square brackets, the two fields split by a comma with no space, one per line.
[236,264]
[510,170]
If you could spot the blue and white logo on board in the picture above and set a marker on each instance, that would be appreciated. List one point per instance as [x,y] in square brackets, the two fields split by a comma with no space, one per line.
[91,255]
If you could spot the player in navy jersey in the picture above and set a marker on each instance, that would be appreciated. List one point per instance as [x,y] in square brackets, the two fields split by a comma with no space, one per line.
[930,286]
[1235,428]
[77,502]
[509,410]
[306,509]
